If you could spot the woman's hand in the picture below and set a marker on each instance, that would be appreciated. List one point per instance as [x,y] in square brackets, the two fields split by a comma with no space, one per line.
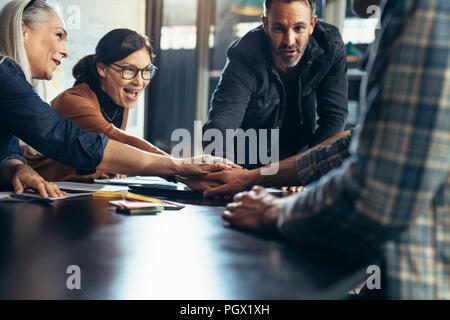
[26,177]
[202,165]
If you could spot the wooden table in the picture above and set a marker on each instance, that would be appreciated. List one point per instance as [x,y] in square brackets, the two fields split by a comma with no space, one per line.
[186,254]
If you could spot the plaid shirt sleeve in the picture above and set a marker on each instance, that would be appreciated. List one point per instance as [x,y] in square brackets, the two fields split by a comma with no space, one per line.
[399,158]
[318,161]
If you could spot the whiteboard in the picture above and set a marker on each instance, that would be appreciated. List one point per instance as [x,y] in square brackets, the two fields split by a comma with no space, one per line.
[87,21]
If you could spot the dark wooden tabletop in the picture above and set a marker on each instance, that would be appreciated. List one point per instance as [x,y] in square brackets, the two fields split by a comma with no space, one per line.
[188,254]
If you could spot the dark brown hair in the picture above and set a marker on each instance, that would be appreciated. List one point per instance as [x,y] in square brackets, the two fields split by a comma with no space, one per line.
[114,46]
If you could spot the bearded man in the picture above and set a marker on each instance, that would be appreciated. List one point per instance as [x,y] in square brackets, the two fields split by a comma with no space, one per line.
[282,75]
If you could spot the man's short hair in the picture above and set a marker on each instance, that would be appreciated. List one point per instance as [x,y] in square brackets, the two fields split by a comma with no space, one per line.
[312,5]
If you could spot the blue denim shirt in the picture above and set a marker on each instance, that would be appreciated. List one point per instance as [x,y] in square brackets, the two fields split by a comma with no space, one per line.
[24,115]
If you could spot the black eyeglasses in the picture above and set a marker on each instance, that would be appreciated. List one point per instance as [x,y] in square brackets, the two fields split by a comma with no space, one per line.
[130,72]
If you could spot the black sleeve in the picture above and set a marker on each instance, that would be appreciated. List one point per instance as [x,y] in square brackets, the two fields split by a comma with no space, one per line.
[230,100]
[332,99]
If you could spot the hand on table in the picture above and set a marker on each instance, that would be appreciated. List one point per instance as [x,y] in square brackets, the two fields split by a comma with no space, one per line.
[26,177]
[255,210]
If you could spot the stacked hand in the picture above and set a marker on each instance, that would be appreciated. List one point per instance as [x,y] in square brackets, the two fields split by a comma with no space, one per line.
[233,180]
[228,182]
[199,166]
[194,170]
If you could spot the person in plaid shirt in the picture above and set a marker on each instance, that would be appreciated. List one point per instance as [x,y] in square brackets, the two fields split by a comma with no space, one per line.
[386,186]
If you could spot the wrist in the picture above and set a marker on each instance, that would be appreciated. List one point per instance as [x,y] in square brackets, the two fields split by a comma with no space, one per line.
[176,167]
[271,214]
[16,168]
[20,165]
[252,177]
[12,163]
[9,169]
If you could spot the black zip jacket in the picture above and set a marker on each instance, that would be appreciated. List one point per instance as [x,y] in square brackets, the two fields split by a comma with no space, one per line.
[251,93]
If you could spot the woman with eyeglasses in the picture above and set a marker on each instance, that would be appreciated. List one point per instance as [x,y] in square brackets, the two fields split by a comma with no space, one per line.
[107,85]
[32,45]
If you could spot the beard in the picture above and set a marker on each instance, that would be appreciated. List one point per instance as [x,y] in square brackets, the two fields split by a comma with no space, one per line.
[291,60]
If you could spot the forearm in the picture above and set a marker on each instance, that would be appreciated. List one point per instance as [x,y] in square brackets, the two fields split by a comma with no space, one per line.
[124,159]
[136,142]
[286,175]
[289,172]
[144,145]
[8,170]
[154,149]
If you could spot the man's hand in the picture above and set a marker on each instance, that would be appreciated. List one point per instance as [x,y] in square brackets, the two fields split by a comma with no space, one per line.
[234,180]
[25,177]
[256,210]
[198,184]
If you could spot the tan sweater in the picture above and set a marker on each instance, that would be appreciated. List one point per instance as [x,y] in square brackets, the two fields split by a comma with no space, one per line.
[80,105]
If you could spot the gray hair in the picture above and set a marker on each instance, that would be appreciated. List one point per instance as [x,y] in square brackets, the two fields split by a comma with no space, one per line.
[31,13]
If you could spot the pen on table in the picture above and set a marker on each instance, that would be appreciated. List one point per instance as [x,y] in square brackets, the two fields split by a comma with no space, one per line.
[176,205]
[23,197]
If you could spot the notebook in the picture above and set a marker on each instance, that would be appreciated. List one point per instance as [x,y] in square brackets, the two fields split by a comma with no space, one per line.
[163,190]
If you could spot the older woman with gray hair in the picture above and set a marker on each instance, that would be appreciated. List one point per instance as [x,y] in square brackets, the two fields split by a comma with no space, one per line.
[32,45]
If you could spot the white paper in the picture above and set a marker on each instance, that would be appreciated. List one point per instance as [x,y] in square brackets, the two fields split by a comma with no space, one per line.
[5,196]
[147,180]
[73,189]
[89,187]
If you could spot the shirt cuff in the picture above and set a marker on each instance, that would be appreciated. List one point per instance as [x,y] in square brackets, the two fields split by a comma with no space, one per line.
[97,157]
[304,167]
[13,156]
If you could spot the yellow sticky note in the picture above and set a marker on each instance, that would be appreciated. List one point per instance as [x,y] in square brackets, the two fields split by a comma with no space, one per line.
[125,195]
